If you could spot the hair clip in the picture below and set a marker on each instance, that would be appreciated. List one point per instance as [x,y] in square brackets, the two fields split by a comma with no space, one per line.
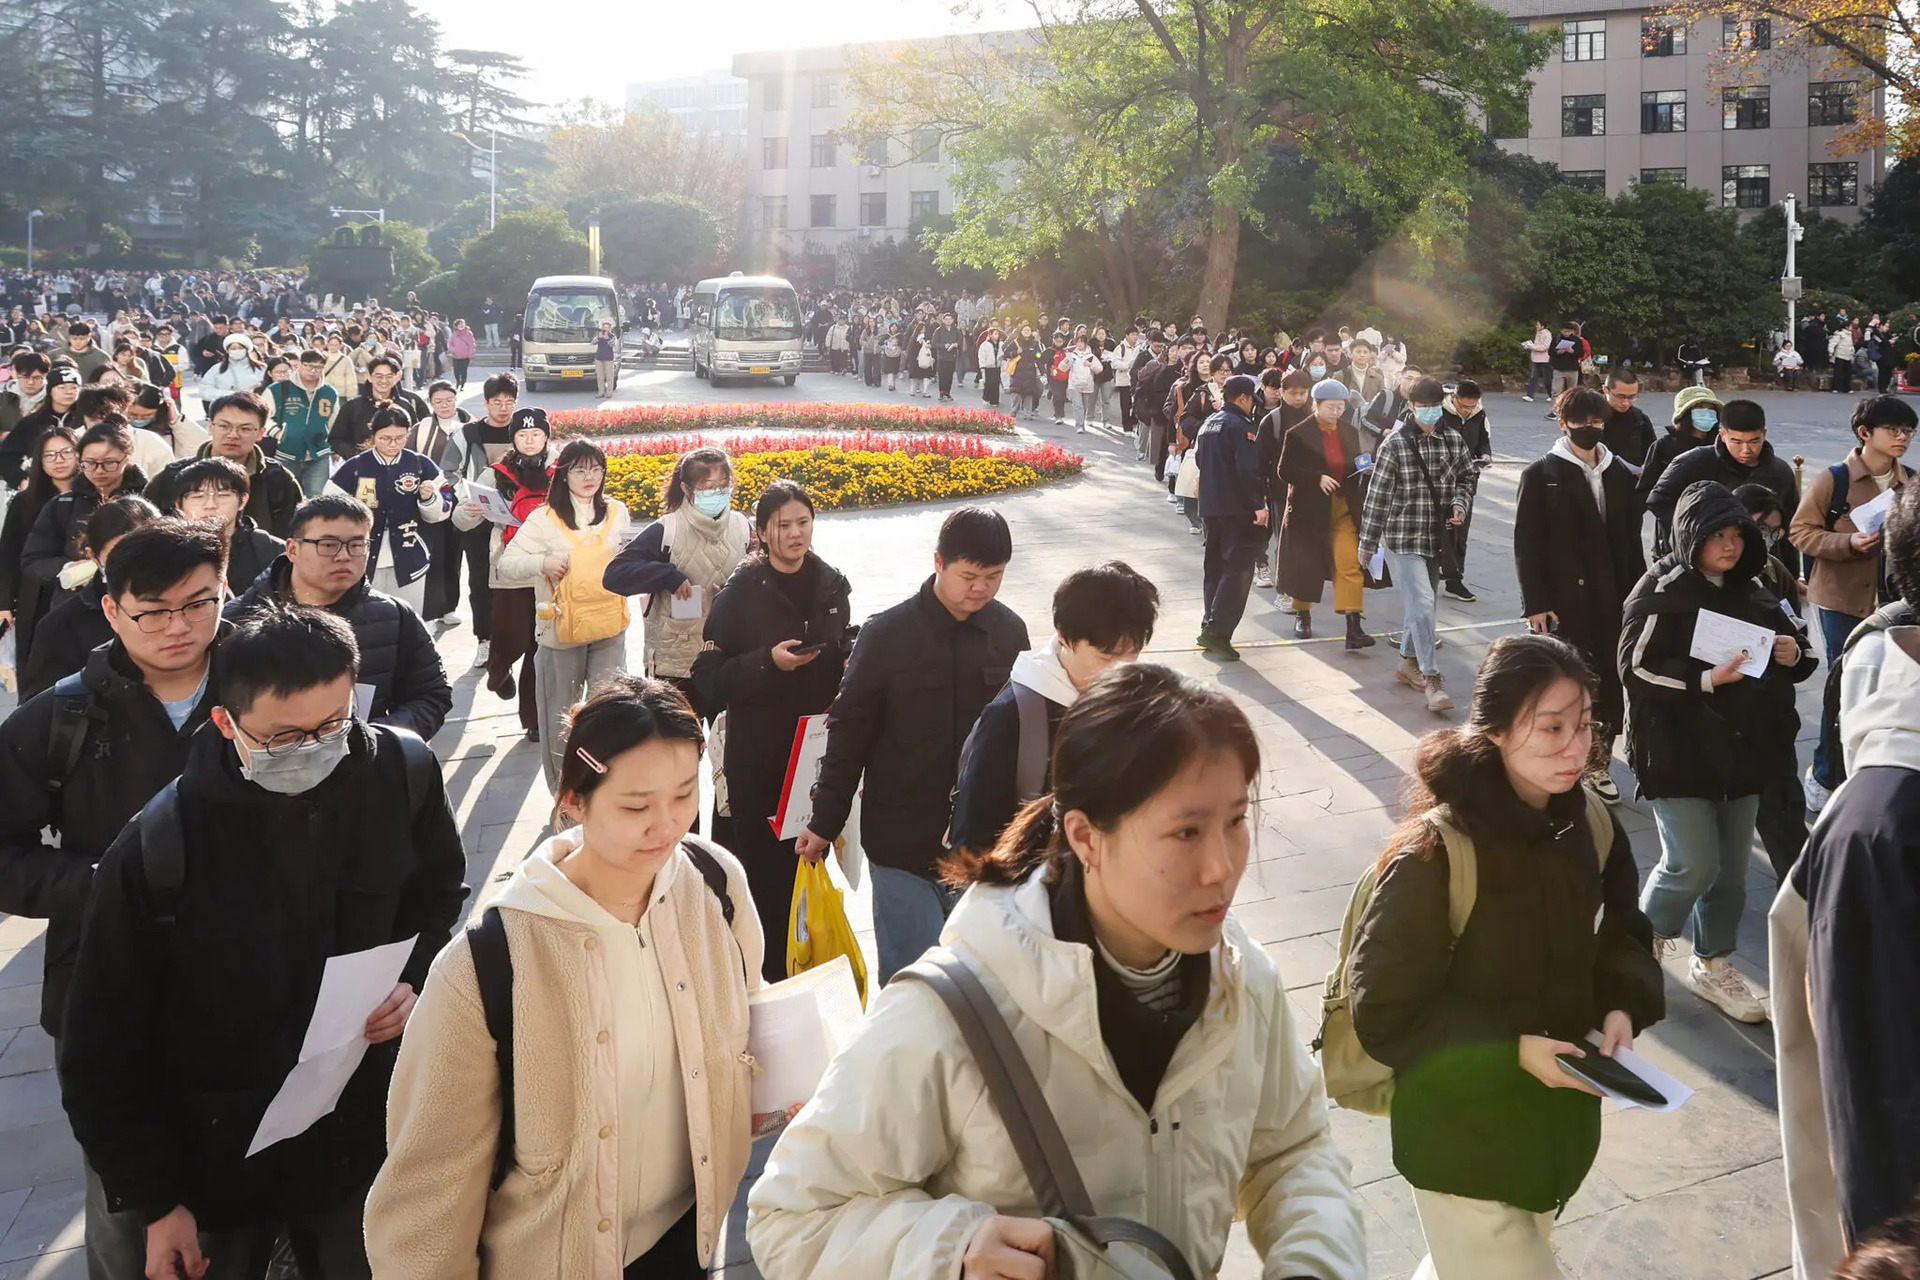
[588,759]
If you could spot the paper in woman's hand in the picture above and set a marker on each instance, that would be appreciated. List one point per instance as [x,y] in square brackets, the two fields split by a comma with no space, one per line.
[1716,638]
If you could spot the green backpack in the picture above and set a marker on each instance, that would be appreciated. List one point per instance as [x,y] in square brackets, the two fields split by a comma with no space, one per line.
[1354,1079]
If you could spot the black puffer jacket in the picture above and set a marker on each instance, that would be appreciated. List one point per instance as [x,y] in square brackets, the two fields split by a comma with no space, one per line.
[64,638]
[1713,462]
[1447,1015]
[397,657]
[54,539]
[1684,740]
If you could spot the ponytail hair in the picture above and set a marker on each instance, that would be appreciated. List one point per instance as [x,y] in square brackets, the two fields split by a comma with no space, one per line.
[1131,733]
[694,465]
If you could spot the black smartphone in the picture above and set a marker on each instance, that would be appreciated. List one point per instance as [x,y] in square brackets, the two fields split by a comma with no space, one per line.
[800,651]
[1605,1073]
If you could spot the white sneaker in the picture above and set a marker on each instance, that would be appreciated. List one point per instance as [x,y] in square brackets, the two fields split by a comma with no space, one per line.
[1603,785]
[1173,499]
[1817,795]
[1528,399]
[1262,577]
[1722,986]
[450,620]
[480,656]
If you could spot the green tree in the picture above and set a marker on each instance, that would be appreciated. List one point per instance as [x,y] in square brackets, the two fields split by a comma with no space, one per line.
[1589,261]
[504,262]
[663,238]
[1713,287]
[597,158]
[1890,236]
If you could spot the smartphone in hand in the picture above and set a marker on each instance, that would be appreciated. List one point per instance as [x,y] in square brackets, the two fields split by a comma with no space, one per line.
[1604,1073]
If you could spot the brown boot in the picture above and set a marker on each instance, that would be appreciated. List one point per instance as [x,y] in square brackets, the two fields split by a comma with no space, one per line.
[1437,699]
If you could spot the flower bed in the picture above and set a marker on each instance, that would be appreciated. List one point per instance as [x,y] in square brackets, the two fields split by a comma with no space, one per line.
[840,472]
[646,419]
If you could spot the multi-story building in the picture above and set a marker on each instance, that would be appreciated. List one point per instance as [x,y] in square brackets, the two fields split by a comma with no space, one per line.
[711,104]
[1633,96]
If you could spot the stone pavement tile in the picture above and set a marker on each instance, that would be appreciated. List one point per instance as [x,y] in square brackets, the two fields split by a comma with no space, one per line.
[19,931]
[65,1264]
[11,1202]
[1304,962]
[1307,872]
[1718,1131]
[1391,1202]
[1598,1194]
[1295,915]
[28,1100]
[22,966]
[44,1152]
[1367,1143]
[31,1049]
[1728,1228]
[52,1218]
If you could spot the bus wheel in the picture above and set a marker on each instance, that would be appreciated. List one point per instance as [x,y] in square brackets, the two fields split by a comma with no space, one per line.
[532,386]
[792,378]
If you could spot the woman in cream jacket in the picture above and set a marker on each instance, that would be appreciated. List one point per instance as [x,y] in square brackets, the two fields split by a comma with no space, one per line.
[629,1036]
[1158,1031]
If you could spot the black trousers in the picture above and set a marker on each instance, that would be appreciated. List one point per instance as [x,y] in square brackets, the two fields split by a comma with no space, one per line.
[1157,449]
[1233,543]
[472,546]
[944,374]
[1126,407]
[990,389]
[1782,822]
[674,1256]
[1059,389]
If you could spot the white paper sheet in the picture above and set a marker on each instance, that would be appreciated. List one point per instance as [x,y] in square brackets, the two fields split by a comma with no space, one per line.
[797,1026]
[1377,567]
[492,502]
[351,988]
[1716,638]
[1868,517]
[685,610]
[1671,1089]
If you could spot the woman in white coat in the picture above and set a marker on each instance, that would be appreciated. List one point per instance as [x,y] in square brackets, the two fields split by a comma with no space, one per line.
[1158,1030]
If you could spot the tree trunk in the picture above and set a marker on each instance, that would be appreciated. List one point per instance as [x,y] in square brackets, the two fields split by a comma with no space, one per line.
[1223,255]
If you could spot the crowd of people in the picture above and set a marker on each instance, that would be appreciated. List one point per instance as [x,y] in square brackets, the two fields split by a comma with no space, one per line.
[229,628]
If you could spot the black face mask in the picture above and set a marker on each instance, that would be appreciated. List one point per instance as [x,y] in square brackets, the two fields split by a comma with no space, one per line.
[1586,437]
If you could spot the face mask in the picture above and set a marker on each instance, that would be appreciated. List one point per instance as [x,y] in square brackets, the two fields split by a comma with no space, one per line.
[711,502]
[1427,415]
[1704,419]
[1585,437]
[1318,371]
[299,770]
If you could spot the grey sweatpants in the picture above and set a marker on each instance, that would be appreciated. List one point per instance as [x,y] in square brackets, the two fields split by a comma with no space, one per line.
[561,677]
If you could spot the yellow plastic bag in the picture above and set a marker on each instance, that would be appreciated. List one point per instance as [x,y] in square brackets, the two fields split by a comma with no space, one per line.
[817,927]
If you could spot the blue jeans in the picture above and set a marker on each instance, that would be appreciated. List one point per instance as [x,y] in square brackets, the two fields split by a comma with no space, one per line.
[1704,847]
[908,913]
[1416,577]
[312,474]
[1541,372]
[1835,627]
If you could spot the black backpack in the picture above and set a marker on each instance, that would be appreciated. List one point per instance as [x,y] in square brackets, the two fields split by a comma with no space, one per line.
[76,714]
[493,972]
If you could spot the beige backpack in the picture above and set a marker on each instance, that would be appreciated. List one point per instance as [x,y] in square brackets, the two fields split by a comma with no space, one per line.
[585,611]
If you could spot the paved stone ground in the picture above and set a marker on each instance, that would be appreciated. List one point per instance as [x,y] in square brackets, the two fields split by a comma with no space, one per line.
[1697,1195]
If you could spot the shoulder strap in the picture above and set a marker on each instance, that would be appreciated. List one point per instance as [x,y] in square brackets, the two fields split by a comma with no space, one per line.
[75,714]
[1030,768]
[1463,869]
[1837,504]
[493,972]
[714,874]
[163,853]
[1599,824]
[419,762]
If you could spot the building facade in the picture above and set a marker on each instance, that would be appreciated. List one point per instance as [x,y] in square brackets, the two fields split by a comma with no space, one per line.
[711,104]
[1632,96]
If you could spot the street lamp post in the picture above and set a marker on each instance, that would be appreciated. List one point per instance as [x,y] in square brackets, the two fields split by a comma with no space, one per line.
[492,152]
[37,213]
[1790,286]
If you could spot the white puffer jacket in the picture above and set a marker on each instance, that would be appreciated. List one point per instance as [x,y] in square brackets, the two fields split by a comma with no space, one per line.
[900,1156]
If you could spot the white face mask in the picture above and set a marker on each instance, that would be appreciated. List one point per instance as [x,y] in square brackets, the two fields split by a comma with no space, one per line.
[296,772]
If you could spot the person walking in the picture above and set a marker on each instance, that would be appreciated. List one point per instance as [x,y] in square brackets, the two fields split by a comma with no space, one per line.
[619,957]
[1462,413]
[1695,423]
[1325,483]
[1629,434]
[460,350]
[305,406]
[987,362]
[403,490]
[24,598]
[606,361]
[1422,480]
[1695,728]
[915,683]
[1493,1132]
[1577,552]
[1234,508]
[1539,351]
[777,638]
[470,453]
[1109,947]
[579,627]
[1567,354]
[1737,454]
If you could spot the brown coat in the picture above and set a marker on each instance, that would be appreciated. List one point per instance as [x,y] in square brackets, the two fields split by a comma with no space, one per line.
[1842,579]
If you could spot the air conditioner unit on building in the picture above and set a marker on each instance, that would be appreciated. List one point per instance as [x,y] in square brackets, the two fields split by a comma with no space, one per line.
[873,171]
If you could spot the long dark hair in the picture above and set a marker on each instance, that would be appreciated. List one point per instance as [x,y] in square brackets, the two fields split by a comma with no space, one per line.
[693,466]
[40,487]
[1127,736]
[1449,765]
[620,713]
[560,497]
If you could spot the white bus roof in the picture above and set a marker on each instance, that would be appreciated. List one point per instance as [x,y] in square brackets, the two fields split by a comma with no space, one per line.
[753,282]
[572,282]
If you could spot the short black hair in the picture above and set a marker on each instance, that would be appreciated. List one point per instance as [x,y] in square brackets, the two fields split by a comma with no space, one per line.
[116,518]
[1623,376]
[1883,411]
[110,431]
[1900,540]
[94,401]
[328,506]
[1110,606]
[151,559]
[310,356]
[976,534]
[1426,391]
[500,384]
[247,400]
[25,362]
[1759,500]
[1271,377]
[391,362]
[211,473]
[1581,404]
[1742,415]
[282,649]
[1467,389]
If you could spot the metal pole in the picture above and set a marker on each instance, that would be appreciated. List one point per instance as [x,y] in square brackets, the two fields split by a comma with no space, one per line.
[29,242]
[1793,307]
[493,170]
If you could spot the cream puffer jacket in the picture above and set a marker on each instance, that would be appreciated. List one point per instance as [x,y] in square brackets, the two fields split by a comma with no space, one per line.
[900,1156]
[430,1215]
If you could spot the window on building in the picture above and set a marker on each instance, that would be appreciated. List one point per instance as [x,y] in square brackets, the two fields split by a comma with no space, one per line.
[825,152]
[1678,177]
[1583,116]
[873,208]
[1664,111]
[1744,33]
[1746,186]
[926,146]
[1591,179]
[1584,41]
[1832,102]
[1662,37]
[826,92]
[1833,184]
[773,153]
[822,211]
[923,206]
[1750,107]
[773,212]
[872,150]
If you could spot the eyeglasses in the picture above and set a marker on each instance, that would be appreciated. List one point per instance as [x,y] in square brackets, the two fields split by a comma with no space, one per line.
[154,621]
[103,466]
[57,455]
[338,548]
[1628,396]
[1905,433]
[291,740]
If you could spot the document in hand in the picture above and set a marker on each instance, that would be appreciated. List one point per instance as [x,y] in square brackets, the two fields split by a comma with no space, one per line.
[1675,1092]
[351,988]
[491,501]
[684,610]
[1869,517]
[1716,638]
[797,1026]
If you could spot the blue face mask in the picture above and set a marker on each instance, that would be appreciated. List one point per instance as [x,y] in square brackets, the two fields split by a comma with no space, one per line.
[711,502]
[1427,415]
[1705,419]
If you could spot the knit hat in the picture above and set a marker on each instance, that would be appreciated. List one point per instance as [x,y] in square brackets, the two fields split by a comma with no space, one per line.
[529,420]
[1332,389]
[63,374]
[1368,334]
[1691,398]
[237,340]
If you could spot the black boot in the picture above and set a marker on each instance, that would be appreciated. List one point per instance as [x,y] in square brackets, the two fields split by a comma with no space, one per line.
[1303,625]
[1357,638]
